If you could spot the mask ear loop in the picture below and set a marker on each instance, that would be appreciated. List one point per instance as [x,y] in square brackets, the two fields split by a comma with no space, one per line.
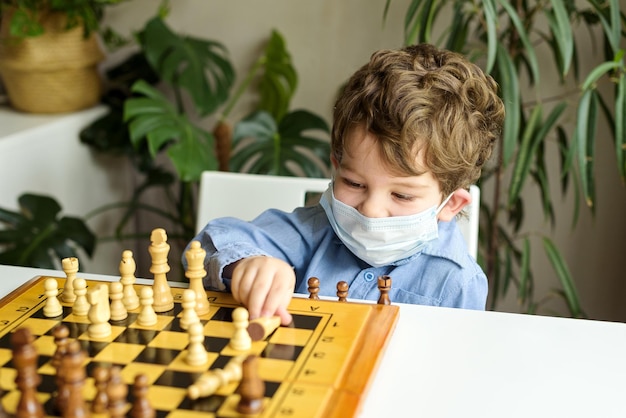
[440,207]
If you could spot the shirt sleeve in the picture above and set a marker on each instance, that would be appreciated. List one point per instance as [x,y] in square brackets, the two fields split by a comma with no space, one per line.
[288,236]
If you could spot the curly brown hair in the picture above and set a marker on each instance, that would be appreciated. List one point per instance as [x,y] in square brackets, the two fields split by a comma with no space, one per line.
[421,98]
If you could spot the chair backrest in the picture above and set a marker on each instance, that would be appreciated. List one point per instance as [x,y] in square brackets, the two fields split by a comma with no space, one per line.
[245,196]
[469,224]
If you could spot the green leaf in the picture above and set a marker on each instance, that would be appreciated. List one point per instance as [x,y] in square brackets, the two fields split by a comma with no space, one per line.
[512,102]
[524,275]
[279,79]
[558,19]
[523,35]
[585,141]
[491,19]
[199,66]
[597,72]
[620,126]
[564,276]
[524,155]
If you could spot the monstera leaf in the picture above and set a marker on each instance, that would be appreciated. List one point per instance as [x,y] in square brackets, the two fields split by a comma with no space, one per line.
[274,149]
[37,237]
[154,118]
[196,65]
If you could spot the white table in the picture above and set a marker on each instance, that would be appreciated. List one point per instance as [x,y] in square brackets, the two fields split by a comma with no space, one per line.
[454,363]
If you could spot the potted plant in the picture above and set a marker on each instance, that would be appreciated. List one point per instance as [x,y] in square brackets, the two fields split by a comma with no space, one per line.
[504,36]
[49,53]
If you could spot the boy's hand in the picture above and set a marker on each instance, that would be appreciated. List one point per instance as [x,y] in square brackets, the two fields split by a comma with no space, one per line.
[264,285]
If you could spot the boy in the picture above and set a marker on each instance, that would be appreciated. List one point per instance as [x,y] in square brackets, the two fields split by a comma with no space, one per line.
[411,131]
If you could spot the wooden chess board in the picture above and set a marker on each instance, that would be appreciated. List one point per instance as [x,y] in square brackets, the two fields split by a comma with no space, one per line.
[321,366]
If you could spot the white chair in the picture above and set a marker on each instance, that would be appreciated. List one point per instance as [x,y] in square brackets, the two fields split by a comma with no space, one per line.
[245,196]
[469,225]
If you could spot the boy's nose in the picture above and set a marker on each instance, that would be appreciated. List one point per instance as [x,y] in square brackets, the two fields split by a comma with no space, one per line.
[372,208]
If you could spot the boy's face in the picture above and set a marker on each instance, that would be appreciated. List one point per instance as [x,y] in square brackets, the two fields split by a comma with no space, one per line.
[363,181]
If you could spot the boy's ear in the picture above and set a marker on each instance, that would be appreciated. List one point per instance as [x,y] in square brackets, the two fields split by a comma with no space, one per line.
[459,199]
[334,161]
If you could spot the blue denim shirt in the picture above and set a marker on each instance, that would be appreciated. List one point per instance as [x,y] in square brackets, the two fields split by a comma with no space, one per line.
[442,274]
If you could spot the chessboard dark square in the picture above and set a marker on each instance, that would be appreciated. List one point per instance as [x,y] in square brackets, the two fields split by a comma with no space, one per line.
[282,352]
[156,355]
[39,314]
[215,344]
[306,321]
[223,313]
[207,404]
[48,383]
[136,336]
[177,379]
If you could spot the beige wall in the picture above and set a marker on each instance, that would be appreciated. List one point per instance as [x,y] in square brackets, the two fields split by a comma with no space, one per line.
[328,40]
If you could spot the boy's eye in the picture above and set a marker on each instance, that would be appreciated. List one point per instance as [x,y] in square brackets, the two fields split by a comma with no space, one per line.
[352,183]
[406,197]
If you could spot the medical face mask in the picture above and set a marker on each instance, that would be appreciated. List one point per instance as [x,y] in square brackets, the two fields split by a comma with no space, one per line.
[381,241]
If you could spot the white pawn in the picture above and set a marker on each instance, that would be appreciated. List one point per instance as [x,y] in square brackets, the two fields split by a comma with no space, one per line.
[118,310]
[53,307]
[189,315]
[99,312]
[81,305]
[241,339]
[147,317]
[127,278]
[196,352]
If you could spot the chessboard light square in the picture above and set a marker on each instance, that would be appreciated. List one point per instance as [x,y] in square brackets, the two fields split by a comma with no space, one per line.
[120,353]
[81,319]
[152,372]
[45,345]
[164,397]
[162,322]
[229,407]
[170,339]
[39,326]
[180,364]
[179,413]
[291,336]
[115,332]
[7,378]
[12,398]
[5,356]
[256,348]
[222,329]
[273,369]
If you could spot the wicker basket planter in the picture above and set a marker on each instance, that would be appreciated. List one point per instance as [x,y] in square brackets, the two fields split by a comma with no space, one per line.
[56,72]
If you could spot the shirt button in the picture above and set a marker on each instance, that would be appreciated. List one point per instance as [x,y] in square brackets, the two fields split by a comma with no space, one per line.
[369,276]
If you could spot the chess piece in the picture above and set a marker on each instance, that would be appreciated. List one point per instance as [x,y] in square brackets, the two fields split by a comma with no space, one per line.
[25,360]
[251,389]
[101,399]
[384,285]
[208,383]
[127,278]
[342,291]
[196,352]
[147,317]
[116,293]
[141,405]
[260,328]
[195,273]
[70,267]
[241,339]
[117,391]
[99,312]
[74,376]
[53,307]
[61,335]
[81,304]
[314,287]
[189,315]
[162,293]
